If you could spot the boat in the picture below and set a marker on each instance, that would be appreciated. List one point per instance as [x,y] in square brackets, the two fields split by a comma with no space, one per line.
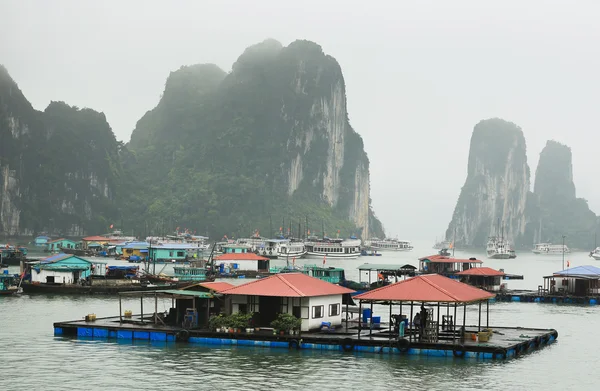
[596,254]
[8,284]
[512,254]
[444,244]
[549,248]
[281,248]
[372,253]
[11,255]
[498,248]
[444,252]
[332,248]
[388,244]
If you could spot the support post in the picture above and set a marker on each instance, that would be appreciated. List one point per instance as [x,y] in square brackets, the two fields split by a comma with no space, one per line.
[465,318]
[360,319]
[371,321]
[479,326]
[438,320]
[390,322]
[155,308]
[410,322]
[120,311]
[142,306]
[346,314]
[487,323]
[454,326]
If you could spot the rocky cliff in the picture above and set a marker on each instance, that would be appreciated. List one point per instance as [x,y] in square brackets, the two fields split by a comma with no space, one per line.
[271,139]
[558,211]
[496,188]
[57,167]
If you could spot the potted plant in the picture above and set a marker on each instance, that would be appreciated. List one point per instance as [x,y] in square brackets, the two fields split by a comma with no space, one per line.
[240,321]
[286,323]
[217,323]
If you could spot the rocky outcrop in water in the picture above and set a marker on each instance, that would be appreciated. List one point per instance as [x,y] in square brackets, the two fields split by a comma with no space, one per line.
[57,167]
[269,139]
[496,188]
[557,209]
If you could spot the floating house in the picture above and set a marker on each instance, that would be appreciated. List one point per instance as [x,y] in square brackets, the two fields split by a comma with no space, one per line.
[386,271]
[446,266]
[578,281]
[164,252]
[40,241]
[483,277]
[59,244]
[64,269]
[135,251]
[242,261]
[312,300]
[90,242]
[190,273]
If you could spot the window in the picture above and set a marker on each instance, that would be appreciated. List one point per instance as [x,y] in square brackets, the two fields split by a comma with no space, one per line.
[243,308]
[180,253]
[170,253]
[334,309]
[317,311]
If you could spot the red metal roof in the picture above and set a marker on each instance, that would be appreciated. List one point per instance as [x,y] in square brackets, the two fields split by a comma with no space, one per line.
[481,271]
[240,257]
[443,259]
[96,239]
[427,288]
[288,285]
[217,286]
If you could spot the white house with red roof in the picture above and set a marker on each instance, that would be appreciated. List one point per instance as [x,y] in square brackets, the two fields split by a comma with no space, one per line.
[312,300]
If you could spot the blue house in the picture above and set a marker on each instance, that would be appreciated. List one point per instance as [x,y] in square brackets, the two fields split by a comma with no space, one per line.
[174,251]
[54,246]
[41,241]
[65,269]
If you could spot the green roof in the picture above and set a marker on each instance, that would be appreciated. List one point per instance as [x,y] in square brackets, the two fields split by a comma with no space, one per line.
[383,266]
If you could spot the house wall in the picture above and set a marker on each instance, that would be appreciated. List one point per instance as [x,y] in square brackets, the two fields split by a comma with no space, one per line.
[243,264]
[306,304]
[59,276]
[164,253]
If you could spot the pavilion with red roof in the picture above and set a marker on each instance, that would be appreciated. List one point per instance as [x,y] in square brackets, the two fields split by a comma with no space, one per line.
[433,292]
[310,299]
[482,277]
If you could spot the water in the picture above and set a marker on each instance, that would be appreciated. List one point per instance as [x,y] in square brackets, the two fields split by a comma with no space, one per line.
[32,357]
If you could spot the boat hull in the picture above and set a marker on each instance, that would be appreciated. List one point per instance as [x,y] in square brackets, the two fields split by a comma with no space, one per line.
[332,255]
[596,256]
[97,289]
[499,256]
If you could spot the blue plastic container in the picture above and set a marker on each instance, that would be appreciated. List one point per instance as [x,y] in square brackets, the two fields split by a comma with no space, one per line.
[235,266]
[376,319]
[222,268]
[366,314]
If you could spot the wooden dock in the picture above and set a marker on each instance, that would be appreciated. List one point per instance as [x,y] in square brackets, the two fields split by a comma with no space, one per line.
[506,342]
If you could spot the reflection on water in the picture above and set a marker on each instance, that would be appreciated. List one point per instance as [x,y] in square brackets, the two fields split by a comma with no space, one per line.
[33,357]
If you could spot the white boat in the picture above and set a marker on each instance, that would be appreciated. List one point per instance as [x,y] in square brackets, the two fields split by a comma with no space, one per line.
[388,245]
[444,244]
[282,248]
[498,248]
[596,254]
[549,248]
[255,242]
[332,248]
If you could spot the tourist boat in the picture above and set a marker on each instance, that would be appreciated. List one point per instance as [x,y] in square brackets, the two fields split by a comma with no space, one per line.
[332,248]
[548,248]
[444,244]
[498,248]
[11,255]
[388,244]
[281,248]
[254,242]
[512,254]
[596,254]
[8,284]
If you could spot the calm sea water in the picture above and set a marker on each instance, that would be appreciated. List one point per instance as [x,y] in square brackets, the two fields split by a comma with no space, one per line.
[32,358]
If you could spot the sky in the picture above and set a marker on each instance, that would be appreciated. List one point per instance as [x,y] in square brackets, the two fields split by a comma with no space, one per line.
[419,75]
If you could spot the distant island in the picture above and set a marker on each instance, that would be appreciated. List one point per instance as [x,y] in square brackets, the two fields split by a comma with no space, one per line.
[266,146]
[496,199]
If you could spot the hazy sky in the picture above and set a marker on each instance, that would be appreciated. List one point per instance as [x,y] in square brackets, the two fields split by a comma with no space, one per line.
[419,75]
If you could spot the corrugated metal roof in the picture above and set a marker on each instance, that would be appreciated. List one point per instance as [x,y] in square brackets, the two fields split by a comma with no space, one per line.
[442,259]
[288,285]
[481,271]
[217,286]
[96,239]
[428,288]
[383,266]
[588,270]
[59,257]
[136,245]
[240,257]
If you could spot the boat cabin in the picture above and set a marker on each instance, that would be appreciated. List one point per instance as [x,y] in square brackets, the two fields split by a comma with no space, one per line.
[190,273]
[577,281]
[242,261]
[334,275]
[446,266]
[174,251]
[65,269]
[40,241]
[59,244]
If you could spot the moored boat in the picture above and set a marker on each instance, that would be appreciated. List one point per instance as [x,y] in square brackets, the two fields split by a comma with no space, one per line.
[595,254]
[549,249]
[8,284]
[388,244]
[332,248]
[498,248]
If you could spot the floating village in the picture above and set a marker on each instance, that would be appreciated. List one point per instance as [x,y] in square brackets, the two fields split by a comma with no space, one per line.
[228,293]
